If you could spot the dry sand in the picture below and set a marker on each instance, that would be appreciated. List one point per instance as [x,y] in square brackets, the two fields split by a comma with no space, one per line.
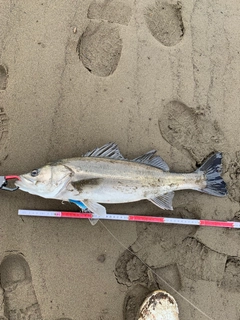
[77,74]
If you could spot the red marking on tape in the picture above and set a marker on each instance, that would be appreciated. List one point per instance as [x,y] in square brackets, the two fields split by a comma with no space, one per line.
[67,214]
[216,223]
[146,219]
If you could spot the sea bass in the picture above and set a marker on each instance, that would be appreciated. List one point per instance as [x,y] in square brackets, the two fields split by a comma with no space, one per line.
[105,176]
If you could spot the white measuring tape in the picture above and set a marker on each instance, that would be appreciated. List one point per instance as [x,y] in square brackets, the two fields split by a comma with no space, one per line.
[123,217]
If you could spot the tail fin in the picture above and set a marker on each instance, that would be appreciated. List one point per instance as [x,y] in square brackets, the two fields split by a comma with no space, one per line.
[212,169]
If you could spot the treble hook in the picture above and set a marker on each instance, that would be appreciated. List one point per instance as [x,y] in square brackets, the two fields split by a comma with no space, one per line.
[4,181]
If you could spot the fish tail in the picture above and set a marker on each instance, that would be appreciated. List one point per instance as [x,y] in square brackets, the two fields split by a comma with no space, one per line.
[212,170]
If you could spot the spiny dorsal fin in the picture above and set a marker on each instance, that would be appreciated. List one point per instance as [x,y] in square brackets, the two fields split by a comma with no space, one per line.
[164,201]
[109,150]
[151,160]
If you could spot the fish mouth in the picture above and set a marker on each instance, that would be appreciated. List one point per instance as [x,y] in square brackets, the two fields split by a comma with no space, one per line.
[23,182]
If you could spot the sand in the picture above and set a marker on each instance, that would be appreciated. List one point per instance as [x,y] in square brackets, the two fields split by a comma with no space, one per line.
[75,75]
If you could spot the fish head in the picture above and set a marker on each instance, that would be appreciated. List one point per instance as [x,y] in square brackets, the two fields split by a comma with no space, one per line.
[46,182]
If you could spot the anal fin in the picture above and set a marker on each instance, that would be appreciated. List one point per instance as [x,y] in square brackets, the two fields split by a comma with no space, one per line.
[164,201]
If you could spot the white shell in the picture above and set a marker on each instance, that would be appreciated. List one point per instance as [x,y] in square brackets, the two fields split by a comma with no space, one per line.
[159,305]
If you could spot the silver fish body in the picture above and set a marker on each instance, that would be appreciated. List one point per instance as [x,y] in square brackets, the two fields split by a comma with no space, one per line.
[118,181]
[104,176]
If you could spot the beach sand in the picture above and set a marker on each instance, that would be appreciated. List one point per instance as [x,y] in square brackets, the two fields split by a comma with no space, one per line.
[75,75]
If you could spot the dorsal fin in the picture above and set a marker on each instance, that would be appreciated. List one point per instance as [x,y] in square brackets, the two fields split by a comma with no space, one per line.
[151,160]
[109,150]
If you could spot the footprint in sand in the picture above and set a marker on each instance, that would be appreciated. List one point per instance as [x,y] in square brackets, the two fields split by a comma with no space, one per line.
[137,274]
[231,278]
[165,23]
[198,262]
[190,131]
[20,301]
[171,273]
[129,269]
[141,281]
[175,255]
[4,123]
[3,77]
[233,170]
[99,47]
[3,118]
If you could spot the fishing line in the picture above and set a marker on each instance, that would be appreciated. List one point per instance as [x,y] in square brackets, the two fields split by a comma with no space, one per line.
[158,276]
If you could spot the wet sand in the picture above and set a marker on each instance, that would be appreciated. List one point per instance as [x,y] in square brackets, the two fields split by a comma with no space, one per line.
[75,75]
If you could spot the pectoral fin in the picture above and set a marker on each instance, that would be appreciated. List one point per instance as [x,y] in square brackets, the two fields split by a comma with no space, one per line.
[164,201]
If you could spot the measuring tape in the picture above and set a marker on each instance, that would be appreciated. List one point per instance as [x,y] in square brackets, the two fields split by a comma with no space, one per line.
[123,217]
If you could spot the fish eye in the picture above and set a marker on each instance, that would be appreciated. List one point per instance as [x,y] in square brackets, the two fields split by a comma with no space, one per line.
[35,172]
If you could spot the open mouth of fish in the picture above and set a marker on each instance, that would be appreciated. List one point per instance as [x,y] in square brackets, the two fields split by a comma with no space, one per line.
[23,182]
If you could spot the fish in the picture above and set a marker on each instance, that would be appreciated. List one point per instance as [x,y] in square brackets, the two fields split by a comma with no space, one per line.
[104,176]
